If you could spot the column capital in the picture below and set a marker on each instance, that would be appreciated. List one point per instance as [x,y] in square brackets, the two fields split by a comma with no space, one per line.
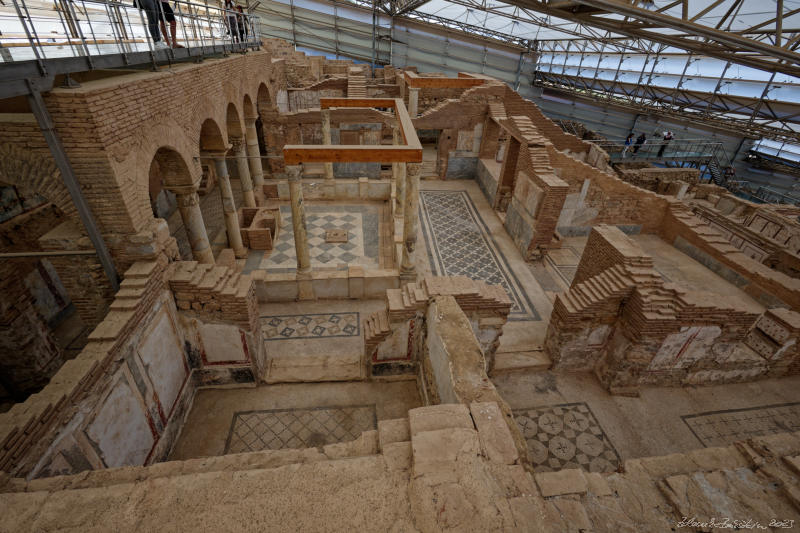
[294,172]
[236,143]
[215,154]
[187,198]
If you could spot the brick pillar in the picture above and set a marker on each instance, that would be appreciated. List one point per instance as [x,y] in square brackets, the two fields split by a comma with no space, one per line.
[413,101]
[240,153]
[410,220]
[326,139]
[304,282]
[229,207]
[189,206]
[399,177]
[254,157]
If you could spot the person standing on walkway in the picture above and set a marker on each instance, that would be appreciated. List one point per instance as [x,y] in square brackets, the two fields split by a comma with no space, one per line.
[640,140]
[240,19]
[151,10]
[628,143]
[230,17]
[166,14]
[667,138]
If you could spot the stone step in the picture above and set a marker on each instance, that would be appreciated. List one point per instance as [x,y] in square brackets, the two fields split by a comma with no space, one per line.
[308,368]
[530,361]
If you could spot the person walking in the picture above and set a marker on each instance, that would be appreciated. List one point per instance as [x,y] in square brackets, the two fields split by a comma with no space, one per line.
[628,143]
[151,10]
[167,15]
[667,138]
[640,140]
[240,19]
[230,17]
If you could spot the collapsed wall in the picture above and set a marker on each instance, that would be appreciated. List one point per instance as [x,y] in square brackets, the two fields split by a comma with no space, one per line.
[622,321]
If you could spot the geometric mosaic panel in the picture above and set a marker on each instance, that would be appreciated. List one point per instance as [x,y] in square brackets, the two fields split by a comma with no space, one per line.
[279,429]
[310,326]
[459,244]
[721,428]
[566,436]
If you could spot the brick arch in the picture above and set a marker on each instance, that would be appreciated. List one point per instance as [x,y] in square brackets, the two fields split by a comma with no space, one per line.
[212,138]
[173,167]
[35,173]
[249,110]
[264,100]
[234,125]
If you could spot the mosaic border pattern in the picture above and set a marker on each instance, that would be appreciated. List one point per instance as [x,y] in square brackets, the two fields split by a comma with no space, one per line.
[523,308]
[350,330]
[730,428]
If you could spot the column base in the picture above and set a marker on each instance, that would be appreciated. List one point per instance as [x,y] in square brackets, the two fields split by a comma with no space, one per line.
[305,286]
[249,199]
[409,275]
[241,253]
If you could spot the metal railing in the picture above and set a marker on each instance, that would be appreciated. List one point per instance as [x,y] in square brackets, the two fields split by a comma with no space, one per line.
[710,156]
[57,29]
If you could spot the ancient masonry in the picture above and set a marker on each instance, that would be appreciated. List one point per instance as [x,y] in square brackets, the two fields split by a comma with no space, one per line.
[357,298]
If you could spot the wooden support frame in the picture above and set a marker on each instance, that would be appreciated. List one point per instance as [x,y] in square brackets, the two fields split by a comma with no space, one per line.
[408,152]
[463,81]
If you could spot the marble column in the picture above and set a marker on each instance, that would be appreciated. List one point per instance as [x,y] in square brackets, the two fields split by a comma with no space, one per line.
[239,152]
[254,157]
[410,220]
[189,207]
[413,101]
[229,208]
[294,174]
[326,139]
[399,177]
[305,286]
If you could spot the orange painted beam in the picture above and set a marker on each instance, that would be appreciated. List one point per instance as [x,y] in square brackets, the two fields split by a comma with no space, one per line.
[418,82]
[328,102]
[294,154]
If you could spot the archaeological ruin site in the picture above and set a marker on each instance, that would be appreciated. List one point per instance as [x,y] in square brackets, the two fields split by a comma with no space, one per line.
[294,277]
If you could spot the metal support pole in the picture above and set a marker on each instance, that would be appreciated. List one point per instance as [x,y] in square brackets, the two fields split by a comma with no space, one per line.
[39,110]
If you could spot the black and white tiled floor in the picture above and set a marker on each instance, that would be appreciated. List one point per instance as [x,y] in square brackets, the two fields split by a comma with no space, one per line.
[361,222]
[566,436]
[459,244]
[721,428]
[310,326]
[278,429]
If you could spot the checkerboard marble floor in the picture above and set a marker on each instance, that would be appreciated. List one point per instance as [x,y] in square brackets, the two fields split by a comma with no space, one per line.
[361,222]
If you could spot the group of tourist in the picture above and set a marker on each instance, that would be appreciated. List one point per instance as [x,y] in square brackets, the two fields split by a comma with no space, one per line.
[642,139]
[159,13]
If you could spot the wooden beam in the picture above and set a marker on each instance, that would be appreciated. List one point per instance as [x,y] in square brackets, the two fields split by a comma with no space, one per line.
[294,154]
[419,82]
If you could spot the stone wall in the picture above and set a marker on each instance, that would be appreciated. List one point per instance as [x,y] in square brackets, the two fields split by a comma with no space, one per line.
[123,399]
[622,321]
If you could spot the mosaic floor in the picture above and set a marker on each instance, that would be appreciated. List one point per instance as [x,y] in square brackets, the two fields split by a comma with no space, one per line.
[459,244]
[566,436]
[721,428]
[278,429]
[310,326]
[362,247]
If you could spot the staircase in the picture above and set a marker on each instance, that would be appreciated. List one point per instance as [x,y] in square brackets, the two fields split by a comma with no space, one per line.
[356,83]
[716,172]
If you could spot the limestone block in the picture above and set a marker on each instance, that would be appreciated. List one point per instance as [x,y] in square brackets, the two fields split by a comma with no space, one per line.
[366,444]
[717,458]
[495,437]
[397,455]
[391,431]
[597,484]
[436,452]
[569,481]
[439,417]
[668,465]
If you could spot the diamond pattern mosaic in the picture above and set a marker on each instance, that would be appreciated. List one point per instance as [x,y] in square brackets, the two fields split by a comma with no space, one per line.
[459,244]
[279,429]
[721,428]
[566,436]
[311,326]
[360,248]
